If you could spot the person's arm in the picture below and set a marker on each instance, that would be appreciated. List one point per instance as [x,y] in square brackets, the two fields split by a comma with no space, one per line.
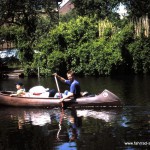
[13,94]
[70,94]
[19,93]
[59,77]
[67,96]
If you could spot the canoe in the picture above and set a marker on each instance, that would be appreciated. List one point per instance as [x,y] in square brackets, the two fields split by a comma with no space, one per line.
[106,98]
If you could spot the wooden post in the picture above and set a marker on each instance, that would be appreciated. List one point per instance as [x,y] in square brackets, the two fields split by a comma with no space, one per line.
[38,72]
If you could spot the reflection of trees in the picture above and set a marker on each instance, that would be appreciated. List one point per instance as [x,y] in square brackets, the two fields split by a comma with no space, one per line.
[78,128]
[29,136]
[97,129]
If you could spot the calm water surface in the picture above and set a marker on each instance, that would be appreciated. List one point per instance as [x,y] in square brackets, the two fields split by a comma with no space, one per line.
[89,128]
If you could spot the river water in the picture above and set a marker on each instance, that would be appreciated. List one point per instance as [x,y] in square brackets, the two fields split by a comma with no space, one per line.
[122,128]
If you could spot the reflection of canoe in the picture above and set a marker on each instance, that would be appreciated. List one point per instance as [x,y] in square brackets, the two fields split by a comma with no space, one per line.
[107,116]
[37,118]
[106,98]
[42,117]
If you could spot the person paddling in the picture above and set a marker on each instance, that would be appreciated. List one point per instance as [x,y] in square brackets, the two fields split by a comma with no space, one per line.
[74,91]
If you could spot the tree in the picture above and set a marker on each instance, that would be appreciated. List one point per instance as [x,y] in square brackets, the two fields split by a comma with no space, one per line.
[15,11]
[101,8]
[137,8]
[29,15]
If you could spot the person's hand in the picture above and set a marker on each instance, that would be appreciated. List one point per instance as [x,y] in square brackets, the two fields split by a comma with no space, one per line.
[54,74]
[61,100]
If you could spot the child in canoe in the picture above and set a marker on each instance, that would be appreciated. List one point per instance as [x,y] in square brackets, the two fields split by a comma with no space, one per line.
[20,90]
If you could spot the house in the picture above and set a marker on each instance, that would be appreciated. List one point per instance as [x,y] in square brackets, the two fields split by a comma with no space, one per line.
[6,45]
[65,7]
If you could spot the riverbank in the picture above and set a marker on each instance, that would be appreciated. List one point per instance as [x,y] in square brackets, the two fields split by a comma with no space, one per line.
[12,73]
[16,73]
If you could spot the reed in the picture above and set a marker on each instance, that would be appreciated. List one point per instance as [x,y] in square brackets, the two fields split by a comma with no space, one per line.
[104,24]
[142,26]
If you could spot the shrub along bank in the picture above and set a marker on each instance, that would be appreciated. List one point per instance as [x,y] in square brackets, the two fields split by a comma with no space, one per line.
[87,46]
[91,47]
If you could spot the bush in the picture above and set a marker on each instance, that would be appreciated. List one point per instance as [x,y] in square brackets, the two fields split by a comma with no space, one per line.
[140,51]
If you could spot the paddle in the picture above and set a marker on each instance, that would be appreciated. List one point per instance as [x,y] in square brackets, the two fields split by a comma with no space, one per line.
[58,90]
[60,122]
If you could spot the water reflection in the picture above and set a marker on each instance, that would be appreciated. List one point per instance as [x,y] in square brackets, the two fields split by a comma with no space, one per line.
[34,118]
[73,125]
[107,116]
[71,118]
[24,128]
[57,128]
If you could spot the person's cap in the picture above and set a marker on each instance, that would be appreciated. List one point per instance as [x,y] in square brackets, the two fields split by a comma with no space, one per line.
[19,83]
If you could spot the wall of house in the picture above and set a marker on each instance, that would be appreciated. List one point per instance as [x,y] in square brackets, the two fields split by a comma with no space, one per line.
[66,8]
[6,45]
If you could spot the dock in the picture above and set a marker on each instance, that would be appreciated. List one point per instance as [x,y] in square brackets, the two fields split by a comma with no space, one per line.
[13,74]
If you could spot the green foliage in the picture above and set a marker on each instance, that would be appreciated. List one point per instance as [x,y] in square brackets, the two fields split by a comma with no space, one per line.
[99,8]
[56,62]
[33,19]
[94,58]
[140,51]
[87,44]
[29,70]
[68,16]
[10,33]
[76,45]
[60,44]
[137,8]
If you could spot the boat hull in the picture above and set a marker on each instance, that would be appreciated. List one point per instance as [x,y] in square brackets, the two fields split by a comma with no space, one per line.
[106,98]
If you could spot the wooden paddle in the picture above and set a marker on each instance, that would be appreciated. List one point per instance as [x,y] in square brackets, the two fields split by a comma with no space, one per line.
[60,123]
[62,104]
